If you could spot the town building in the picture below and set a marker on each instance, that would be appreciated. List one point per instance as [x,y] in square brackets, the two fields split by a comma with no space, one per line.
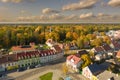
[108,50]
[23,48]
[74,62]
[115,45]
[99,53]
[50,42]
[92,71]
[118,55]
[30,59]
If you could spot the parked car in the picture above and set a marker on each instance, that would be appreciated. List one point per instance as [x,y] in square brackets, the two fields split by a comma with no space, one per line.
[21,69]
[32,66]
[39,65]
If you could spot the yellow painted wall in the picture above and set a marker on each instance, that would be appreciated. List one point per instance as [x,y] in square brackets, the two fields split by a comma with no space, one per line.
[94,78]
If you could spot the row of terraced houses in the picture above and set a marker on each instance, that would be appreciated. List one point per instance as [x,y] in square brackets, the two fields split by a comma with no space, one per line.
[26,57]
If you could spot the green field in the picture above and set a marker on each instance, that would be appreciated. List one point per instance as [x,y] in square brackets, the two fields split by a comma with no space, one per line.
[47,76]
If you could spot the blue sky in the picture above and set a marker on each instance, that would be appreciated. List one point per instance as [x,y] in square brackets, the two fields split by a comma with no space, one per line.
[59,10]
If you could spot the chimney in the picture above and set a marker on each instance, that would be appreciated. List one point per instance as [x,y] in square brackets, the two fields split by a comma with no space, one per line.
[32,44]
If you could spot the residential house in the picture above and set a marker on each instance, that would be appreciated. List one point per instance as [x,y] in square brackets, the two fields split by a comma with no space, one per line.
[47,56]
[81,52]
[99,53]
[2,71]
[8,62]
[53,54]
[107,75]
[74,62]
[98,50]
[28,59]
[115,45]
[118,55]
[117,34]
[23,48]
[50,42]
[108,50]
[111,33]
[93,70]
[58,50]
[71,46]
[87,44]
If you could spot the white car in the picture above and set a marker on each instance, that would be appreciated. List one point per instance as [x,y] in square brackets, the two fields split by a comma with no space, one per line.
[39,65]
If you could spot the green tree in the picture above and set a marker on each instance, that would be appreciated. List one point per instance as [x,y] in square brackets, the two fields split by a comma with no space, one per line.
[86,59]
[80,43]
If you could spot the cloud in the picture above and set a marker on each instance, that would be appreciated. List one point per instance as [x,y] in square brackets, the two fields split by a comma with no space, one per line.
[56,17]
[43,17]
[72,17]
[15,1]
[48,11]
[84,4]
[26,18]
[105,16]
[114,3]
[23,11]
[52,17]
[87,15]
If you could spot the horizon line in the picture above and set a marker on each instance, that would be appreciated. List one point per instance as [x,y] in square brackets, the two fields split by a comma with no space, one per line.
[59,22]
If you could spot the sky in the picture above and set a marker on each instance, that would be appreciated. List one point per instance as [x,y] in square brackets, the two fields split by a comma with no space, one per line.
[59,10]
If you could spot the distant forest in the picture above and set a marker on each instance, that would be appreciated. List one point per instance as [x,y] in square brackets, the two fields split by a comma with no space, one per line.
[23,34]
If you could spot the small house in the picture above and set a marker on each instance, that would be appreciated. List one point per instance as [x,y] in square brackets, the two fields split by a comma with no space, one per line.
[74,62]
[93,70]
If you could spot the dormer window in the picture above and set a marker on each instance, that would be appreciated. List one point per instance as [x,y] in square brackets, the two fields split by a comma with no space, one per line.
[19,58]
[45,54]
[42,54]
[72,60]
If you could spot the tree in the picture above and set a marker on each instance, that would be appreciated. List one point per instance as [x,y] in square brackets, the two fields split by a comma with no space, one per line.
[86,59]
[80,43]
[97,42]
[69,36]
[102,33]
[53,35]
[75,35]
[64,68]
[107,39]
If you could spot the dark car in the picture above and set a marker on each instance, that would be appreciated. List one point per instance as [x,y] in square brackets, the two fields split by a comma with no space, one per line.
[21,69]
[32,66]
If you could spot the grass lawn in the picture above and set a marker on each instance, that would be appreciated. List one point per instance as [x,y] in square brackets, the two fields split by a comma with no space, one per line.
[47,76]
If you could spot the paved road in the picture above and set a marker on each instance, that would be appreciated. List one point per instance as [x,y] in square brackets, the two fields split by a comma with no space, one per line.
[36,71]
[54,67]
[28,73]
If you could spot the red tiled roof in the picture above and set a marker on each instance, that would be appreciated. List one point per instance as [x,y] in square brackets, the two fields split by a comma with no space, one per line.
[23,55]
[81,52]
[99,49]
[118,54]
[57,48]
[3,60]
[74,58]
[8,58]
[20,48]
[106,47]
[46,52]
[116,44]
